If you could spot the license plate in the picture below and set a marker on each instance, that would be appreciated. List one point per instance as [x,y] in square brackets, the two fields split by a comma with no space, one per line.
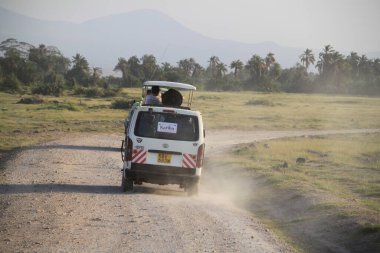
[164,158]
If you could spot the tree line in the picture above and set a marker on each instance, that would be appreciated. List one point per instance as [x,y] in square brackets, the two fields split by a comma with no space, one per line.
[44,70]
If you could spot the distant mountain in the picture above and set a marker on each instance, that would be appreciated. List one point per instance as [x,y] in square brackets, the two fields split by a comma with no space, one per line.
[103,40]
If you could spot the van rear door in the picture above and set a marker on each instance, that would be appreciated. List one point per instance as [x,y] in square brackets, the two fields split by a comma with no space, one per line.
[166,138]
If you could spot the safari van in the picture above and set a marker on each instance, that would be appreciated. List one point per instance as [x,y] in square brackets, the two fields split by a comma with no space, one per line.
[164,143]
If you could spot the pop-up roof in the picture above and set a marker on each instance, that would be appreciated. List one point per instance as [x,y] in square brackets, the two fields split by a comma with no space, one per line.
[171,85]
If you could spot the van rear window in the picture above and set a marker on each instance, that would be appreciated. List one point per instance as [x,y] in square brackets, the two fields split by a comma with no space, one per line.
[170,126]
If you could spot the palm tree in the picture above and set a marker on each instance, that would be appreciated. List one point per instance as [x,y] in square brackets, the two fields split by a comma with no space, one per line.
[307,58]
[363,65]
[237,66]
[337,67]
[324,63]
[269,61]
[220,70]
[122,66]
[214,60]
[353,59]
[96,75]
[256,66]
[198,69]
[80,72]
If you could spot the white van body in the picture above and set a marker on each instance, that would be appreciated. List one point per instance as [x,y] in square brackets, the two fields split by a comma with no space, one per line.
[163,145]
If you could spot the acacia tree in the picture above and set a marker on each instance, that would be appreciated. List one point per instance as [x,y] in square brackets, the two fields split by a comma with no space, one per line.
[21,47]
[48,59]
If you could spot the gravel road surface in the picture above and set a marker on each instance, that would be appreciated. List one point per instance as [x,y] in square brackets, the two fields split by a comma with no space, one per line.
[64,196]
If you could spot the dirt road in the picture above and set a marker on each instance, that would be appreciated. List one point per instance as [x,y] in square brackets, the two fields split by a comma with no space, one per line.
[64,196]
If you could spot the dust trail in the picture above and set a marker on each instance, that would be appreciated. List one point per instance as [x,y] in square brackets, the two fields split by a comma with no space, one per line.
[225,184]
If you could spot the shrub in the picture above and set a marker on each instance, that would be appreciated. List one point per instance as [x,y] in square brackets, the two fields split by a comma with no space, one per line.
[60,106]
[54,89]
[11,84]
[122,104]
[96,92]
[111,92]
[263,102]
[31,100]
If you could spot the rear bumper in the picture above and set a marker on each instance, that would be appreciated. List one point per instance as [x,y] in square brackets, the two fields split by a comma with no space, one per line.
[158,174]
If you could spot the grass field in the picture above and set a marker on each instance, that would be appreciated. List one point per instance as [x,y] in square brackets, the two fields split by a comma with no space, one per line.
[345,167]
[25,124]
[328,201]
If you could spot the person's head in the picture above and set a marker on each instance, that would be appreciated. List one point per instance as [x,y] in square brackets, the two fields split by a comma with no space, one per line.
[155,90]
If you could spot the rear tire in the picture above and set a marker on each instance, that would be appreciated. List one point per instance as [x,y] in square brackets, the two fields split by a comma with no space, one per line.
[126,184]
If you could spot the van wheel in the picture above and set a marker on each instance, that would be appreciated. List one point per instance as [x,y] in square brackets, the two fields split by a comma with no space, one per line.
[126,184]
[192,189]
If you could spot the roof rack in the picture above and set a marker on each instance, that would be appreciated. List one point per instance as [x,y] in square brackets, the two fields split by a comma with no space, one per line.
[171,85]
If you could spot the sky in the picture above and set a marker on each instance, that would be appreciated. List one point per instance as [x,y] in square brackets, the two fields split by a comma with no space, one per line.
[347,25]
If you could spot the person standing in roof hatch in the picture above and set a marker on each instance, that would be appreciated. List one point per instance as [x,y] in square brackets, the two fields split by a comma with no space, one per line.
[154,98]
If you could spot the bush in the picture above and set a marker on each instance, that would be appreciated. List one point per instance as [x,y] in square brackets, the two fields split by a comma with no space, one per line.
[60,106]
[93,92]
[263,102]
[54,89]
[111,92]
[96,92]
[122,104]
[31,100]
[11,84]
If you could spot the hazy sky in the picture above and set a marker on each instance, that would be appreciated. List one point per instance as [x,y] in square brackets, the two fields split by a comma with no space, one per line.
[345,24]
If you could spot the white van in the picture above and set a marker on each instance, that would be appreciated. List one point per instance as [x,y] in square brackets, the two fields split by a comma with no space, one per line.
[164,143]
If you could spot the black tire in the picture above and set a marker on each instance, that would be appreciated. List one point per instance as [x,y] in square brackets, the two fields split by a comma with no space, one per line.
[126,184]
[192,188]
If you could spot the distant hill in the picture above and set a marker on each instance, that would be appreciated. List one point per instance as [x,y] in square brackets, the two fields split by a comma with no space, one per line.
[103,40]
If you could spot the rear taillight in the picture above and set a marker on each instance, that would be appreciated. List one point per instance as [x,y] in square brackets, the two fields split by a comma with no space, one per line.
[129,149]
[200,155]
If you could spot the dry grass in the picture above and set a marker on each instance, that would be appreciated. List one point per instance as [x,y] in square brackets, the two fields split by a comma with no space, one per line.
[334,193]
[347,168]
[279,111]
[26,124]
